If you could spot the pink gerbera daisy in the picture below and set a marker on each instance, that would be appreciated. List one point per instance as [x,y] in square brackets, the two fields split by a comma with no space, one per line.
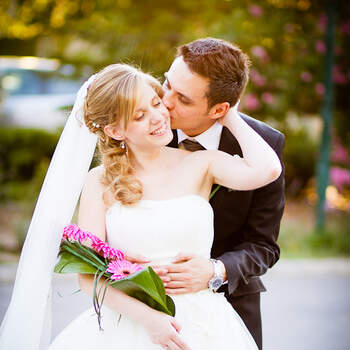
[73,232]
[122,268]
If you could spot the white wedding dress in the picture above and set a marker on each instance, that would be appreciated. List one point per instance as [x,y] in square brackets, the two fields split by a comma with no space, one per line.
[159,229]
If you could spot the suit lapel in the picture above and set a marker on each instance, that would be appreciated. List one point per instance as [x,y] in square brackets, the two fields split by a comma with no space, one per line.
[173,143]
[228,143]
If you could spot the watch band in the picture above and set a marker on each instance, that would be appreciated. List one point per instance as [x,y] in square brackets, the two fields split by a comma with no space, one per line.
[218,278]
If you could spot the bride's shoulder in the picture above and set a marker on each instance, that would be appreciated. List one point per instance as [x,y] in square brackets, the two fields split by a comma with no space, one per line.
[95,177]
[97,172]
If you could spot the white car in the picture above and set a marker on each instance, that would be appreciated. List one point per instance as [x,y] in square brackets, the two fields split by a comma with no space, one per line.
[34,92]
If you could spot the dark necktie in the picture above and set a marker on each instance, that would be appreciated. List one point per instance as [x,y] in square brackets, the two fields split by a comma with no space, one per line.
[192,145]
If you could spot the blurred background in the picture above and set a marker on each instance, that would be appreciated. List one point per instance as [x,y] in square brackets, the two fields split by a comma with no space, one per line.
[299,84]
[47,47]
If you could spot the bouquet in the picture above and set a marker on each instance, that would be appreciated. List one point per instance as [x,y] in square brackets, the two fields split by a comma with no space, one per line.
[109,265]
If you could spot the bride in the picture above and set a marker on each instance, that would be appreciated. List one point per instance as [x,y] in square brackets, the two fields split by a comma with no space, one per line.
[146,198]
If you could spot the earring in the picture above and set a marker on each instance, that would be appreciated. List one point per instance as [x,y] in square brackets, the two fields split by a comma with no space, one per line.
[124,146]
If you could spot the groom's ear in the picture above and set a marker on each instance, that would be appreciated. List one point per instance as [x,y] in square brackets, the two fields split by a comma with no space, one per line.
[114,132]
[219,110]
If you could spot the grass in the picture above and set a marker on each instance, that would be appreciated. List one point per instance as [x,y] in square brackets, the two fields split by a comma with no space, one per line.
[299,239]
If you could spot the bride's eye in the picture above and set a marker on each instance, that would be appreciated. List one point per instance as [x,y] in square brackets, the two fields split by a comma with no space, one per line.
[139,117]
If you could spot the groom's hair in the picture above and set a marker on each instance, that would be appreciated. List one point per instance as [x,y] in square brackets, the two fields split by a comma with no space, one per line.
[223,63]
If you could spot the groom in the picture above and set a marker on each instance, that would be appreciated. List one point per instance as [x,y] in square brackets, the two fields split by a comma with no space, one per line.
[205,73]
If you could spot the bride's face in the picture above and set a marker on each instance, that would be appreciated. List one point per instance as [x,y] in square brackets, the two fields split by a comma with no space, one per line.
[150,125]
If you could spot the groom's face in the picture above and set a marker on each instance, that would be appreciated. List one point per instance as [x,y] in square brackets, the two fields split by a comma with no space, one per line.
[185,98]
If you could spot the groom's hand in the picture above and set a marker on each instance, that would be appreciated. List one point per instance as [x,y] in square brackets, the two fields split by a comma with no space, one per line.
[188,273]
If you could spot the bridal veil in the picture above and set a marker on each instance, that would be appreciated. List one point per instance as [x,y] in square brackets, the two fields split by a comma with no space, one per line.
[27,323]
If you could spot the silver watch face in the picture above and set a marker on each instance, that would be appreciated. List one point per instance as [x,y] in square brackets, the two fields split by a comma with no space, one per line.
[216,284]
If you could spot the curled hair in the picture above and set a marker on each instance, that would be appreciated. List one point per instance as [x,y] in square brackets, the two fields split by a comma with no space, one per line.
[112,98]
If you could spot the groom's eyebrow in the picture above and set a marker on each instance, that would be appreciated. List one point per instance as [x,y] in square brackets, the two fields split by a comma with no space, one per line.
[178,92]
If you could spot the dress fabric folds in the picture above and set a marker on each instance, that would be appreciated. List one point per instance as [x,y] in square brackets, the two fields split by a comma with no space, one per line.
[160,229]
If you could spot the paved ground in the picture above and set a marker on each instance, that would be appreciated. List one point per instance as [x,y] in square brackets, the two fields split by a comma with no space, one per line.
[307,306]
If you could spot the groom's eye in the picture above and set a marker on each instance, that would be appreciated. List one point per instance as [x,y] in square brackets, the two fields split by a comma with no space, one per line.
[184,100]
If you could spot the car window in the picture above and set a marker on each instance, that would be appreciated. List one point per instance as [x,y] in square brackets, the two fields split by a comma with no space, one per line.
[33,82]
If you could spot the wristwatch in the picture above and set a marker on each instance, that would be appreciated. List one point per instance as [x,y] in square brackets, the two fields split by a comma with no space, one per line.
[218,278]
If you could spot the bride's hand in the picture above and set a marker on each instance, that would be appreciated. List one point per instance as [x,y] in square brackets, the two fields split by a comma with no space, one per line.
[164,330]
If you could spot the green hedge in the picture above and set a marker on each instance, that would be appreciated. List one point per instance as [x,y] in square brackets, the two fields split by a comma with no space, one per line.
[24,153]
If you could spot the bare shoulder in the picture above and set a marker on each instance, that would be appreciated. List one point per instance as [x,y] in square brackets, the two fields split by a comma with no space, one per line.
[94,176]
[91,202]
[93,186]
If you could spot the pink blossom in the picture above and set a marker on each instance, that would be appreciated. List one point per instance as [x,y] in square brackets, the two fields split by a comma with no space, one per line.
[268,98]
[256,10]
[251,102]
[74,232]
[340,154]
[261,53]
[106,251]
[320,46]
[320,89]
[338,76]
[122,268]
[306,76]
[322,22]
[345,28]
[340,177]
[257,78]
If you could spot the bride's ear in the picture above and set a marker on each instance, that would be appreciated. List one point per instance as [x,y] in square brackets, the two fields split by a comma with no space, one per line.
[114,132]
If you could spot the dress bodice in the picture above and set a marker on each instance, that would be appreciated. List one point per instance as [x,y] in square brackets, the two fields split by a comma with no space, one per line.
[160,229]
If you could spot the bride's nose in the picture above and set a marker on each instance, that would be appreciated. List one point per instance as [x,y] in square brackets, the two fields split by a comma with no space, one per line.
[156,118]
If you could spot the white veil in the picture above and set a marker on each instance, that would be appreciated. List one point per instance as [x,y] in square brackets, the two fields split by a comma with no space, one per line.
[27,323]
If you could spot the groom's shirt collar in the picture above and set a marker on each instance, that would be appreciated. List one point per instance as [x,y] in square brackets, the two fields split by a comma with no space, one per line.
[209,139]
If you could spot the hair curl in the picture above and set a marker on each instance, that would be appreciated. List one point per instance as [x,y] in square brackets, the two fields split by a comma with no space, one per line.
[112,97]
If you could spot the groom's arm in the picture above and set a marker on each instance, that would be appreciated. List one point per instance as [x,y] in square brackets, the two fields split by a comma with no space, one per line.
[259,251]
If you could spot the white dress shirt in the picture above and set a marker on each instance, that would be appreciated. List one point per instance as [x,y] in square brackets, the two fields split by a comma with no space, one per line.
[209,139]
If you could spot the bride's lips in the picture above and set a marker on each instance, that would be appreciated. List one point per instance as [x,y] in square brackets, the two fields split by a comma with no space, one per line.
[162,130]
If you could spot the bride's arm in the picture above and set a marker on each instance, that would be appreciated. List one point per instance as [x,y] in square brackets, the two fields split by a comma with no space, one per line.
[258,167]
[162,329]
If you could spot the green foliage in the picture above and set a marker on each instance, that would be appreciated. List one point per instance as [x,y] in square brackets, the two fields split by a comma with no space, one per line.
[299,159]
[24,158]
[25,155]
[297,239]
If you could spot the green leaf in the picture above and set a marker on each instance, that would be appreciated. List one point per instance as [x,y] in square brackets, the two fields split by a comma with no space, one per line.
[69,263]
[170,305]
[214,191]
[147,287]
[75,251]
[144,285]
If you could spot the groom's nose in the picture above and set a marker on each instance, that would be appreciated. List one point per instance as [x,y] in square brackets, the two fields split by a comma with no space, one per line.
[168,100]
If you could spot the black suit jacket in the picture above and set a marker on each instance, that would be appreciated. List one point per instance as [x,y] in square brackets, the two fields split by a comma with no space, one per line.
[246,223]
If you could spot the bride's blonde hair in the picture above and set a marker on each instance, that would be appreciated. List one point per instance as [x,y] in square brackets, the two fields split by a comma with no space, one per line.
[112,98]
